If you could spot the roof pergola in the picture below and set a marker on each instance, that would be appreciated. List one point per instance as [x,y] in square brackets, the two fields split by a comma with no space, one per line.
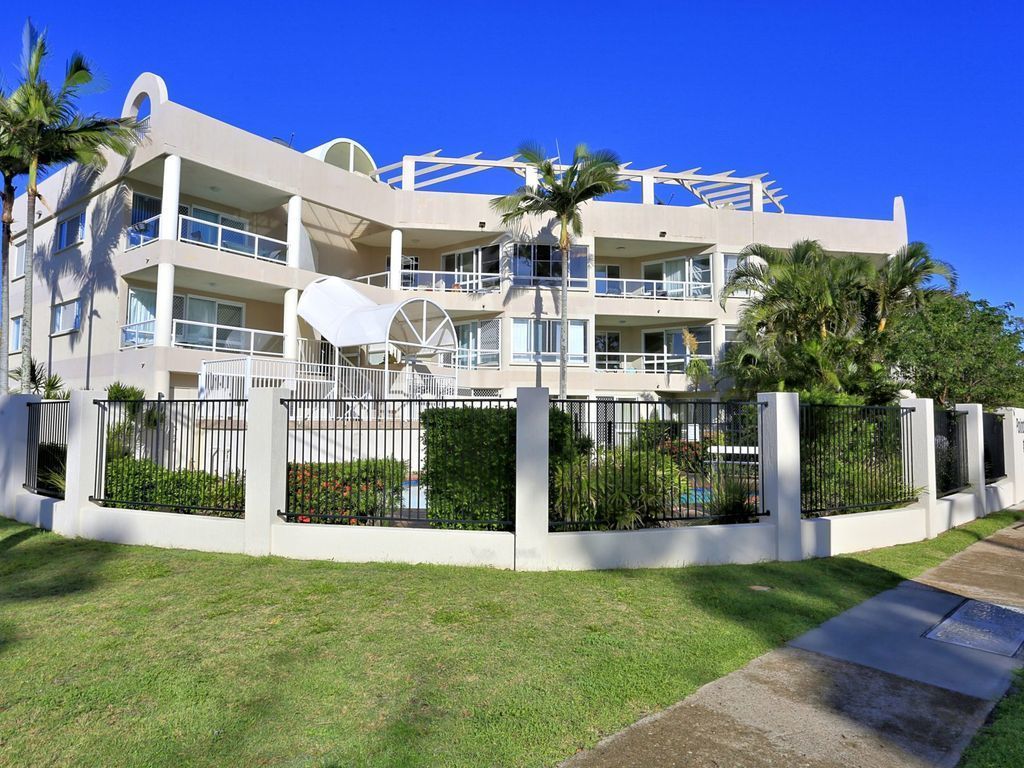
[715,190]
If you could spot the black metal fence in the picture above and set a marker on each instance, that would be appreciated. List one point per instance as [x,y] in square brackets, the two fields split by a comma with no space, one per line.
[630,464]
[950,452]
[995,460]
[408,463]
[47,448]
[185,456]
[854,458]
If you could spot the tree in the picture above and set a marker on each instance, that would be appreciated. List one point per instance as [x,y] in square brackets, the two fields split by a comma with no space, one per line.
[561,191]
[961,350]
[11,166]
[817,323]
[48,130]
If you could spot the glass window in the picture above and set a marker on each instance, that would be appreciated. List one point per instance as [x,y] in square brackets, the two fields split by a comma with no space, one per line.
[141,305]
[65,317]
[14,337]
[542,265]
[71,231]
[144,207]
[732,260]
[18,261]
[533,339]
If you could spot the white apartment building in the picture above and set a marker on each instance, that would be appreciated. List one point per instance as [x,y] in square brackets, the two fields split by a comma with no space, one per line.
[192,268]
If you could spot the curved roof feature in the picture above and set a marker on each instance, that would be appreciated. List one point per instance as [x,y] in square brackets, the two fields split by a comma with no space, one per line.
[146,86]
[347,318]
[347,154]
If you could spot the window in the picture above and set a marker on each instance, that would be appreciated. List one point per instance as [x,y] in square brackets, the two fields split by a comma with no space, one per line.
[688,278]
[542,265]
[606,282]
[18,261]
[71,231]
[409,264]
[65,317]
[479,344]
[731,334]
[484,260]
[668,347]
[606,350]
[201,225]
[14,337]
[539,339]
[144,207]
[732,260]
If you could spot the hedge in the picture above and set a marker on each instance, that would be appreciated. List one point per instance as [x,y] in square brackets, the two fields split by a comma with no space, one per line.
[345,493]
[143,484]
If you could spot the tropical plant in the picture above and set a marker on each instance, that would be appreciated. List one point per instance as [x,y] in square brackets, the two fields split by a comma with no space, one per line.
[561,191]
[49,386]
[46,129]
[12,165]
[731,500]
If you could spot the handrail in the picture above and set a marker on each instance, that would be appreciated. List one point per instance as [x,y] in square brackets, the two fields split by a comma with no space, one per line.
[645,362]
[239,241]
[142,232]
[138,335]
[438,280]
[629,288]
[224,338]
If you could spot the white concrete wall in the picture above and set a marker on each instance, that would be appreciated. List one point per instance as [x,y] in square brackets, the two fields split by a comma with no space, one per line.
[162,529]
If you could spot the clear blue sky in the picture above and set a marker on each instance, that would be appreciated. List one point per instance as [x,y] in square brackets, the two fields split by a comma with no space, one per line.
[847,104]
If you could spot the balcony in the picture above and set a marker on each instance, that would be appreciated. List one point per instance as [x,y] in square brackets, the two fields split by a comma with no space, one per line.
[189,334]
[652,289]
[444,282]
[217,236]
[645,362]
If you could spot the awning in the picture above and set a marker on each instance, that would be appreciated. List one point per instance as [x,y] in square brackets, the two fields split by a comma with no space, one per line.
[344,316]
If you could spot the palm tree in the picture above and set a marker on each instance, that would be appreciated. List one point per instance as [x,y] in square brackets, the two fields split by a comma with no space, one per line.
[11,166]
[561,192]
[905,281]
[50,131]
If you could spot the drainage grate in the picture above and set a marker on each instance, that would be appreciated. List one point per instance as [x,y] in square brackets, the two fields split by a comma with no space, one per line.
[984,627]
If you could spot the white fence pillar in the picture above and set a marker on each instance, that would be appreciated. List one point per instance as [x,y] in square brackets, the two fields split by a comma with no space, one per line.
[14,429]
[266,467]
[1013,449]
[975,454]
[780,469]
[922,444]
[532,413]
[80,485]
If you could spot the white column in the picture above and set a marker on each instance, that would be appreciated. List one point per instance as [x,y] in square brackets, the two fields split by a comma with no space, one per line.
[81,463]
[1013,449]
[780,469]
[395,268]
[717,341]
[163,323]
[922,444]
[531,176]
[532,410]
[408,173]
[169,198]
[290,324]
[647,189]
[294,230]
[266,468]
[717,274]
[14,428]
[975,454]
[756,196]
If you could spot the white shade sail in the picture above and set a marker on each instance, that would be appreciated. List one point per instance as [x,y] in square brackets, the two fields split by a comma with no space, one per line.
[347,318]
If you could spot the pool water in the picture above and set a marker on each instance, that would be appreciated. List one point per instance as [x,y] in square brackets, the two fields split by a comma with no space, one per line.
[696,496]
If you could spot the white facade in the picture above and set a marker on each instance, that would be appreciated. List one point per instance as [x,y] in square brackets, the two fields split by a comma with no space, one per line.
[199,246]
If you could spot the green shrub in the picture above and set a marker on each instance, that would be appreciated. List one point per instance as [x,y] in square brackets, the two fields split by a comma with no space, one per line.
[143,484]
[732,500]
[346,493]
[51,467]
[469,463]
[619,488]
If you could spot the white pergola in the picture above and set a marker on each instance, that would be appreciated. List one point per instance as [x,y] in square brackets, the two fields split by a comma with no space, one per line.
[715,190]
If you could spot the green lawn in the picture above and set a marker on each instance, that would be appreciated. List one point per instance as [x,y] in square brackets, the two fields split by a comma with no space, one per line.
[138,656]
[1001,743]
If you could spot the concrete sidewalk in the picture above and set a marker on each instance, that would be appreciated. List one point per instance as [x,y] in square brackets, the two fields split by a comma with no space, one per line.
[866,689]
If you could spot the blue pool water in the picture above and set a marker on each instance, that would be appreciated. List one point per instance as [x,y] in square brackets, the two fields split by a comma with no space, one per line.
[696,496]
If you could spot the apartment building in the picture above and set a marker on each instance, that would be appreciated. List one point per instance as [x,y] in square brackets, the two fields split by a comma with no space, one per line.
[213,260]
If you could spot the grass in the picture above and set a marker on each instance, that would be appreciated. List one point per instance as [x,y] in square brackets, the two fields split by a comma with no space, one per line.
[140,656]
[1000,744]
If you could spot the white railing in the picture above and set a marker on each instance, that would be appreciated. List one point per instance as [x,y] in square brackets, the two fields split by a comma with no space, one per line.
[193,230]
[471,359]
[433,280]
[645,362]
[138,335]
[652,289]
[234,378]
[227,338]
[142,232]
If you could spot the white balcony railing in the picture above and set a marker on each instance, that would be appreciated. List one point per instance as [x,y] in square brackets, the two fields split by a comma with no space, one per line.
[193,230]
[431,280]
[652,289]
[142,232]
[645,362]
[190,334]
[472,359]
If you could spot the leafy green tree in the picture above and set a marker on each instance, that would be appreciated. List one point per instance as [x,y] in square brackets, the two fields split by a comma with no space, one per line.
[46,129]
[12,165]
[561,191]
[961,350]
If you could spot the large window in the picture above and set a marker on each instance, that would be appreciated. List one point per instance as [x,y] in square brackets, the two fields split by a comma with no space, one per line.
[685,278]
[479,344]
[14,337]
[542,265]
[668,347]
[732,260]
[534,340]
[66,317]
[731,334]
[71,231]
[484,260]
[606,350]
[18,261]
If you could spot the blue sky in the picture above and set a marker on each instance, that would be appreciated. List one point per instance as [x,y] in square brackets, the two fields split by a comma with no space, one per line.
[847,104]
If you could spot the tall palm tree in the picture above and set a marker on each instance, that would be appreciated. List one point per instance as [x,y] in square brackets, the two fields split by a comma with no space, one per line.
[906,281]
[51,131]
[561,192]
[11,166]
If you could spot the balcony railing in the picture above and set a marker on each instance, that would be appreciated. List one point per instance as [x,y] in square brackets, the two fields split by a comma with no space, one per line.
[190,334]
[193,230]
[652,289]
[472,359]
[431,280]
[142,232]
[645,362]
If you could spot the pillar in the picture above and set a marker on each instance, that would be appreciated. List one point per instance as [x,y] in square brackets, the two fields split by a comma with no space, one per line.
[266,467]
[647,189]
[169,198]
[294,230]
[13,447]
[82,462]
[1013,449]
[395,264]
[290,324]
[717,274]
[408,173]
[780,469]
[532,411]
[532,178]
[922,443]
[756,196]
[164,321]
[975,454]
